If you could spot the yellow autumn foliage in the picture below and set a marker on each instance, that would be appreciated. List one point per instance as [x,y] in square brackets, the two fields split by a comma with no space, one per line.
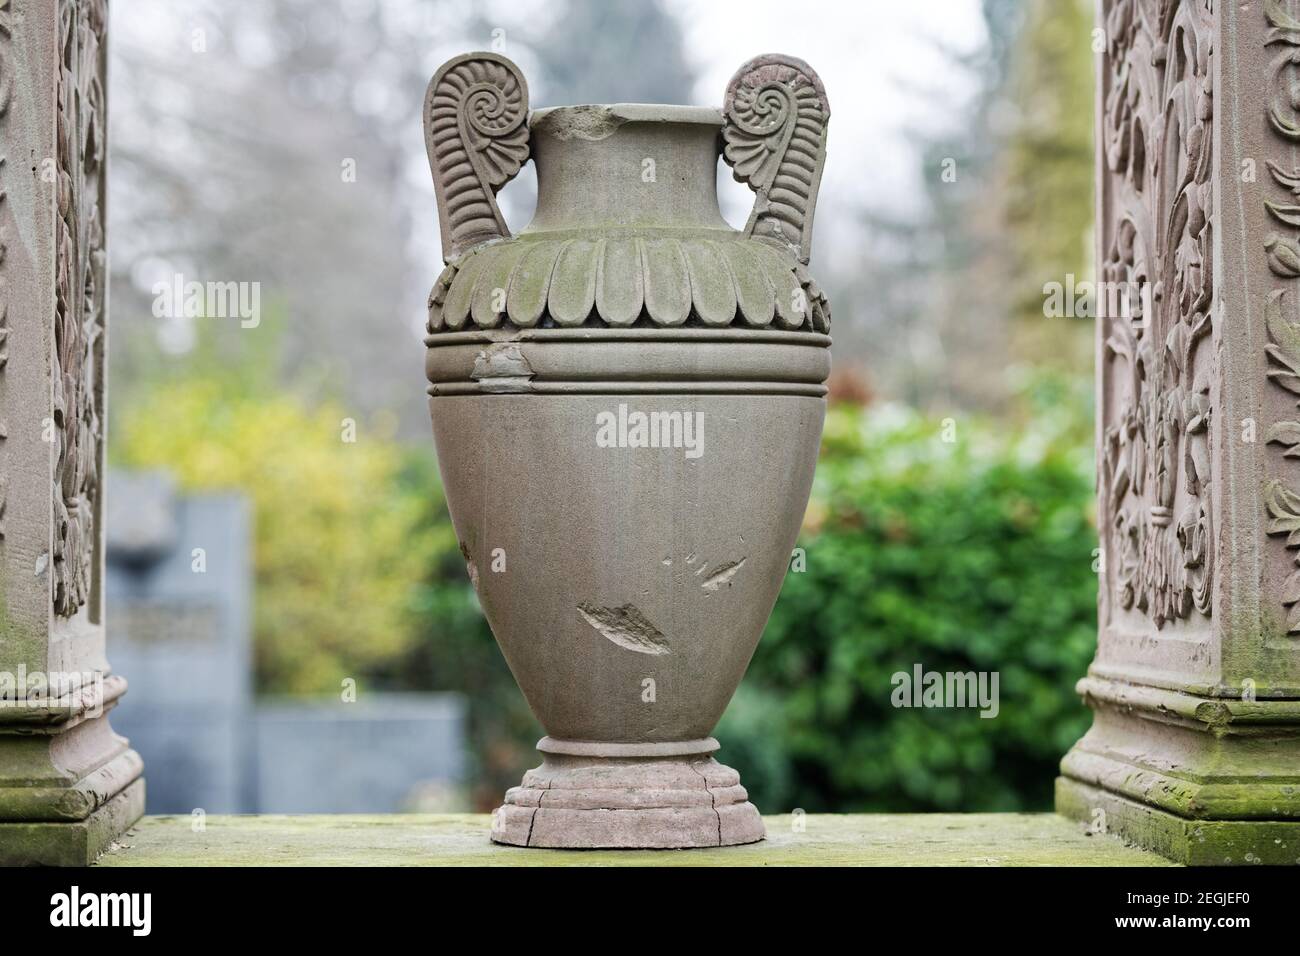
[342,541]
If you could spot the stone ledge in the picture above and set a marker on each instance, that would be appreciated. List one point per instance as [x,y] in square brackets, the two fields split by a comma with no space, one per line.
[973,839]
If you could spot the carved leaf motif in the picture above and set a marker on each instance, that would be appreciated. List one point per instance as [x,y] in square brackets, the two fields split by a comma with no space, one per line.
[476,134]
[1283,255]
[1284,344]
[1285,27]
[775,115]
[1283,506]
[724,280]
[1282,125]
[1287,214]
[1284,512]
[1289,181]
[1286,433]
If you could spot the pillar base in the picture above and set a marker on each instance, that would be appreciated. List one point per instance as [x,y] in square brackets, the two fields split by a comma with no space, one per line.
[1201,780]
[77,843]
[588,795]
[1190,842]
[68,784]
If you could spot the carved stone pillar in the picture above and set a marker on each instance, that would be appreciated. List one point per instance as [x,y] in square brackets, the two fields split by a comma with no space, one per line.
[68,784]
[1195,745]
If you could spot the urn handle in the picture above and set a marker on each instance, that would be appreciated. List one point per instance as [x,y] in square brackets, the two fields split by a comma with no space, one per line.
[775,116]
[476,134]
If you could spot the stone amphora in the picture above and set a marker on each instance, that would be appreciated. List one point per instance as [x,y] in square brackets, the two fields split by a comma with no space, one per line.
[627,402]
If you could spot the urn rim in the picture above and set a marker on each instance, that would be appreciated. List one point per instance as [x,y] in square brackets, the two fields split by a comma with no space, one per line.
[598,120]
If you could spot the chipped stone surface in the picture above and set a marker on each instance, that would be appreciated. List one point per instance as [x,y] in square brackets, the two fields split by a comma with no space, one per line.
[722,575]
[627,627]
[502,368]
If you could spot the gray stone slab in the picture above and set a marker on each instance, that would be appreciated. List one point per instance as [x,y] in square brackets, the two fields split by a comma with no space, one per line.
[179,592]
[383,753]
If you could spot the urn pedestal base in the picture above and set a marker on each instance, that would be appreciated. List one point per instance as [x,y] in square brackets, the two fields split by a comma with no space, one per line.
[589,795]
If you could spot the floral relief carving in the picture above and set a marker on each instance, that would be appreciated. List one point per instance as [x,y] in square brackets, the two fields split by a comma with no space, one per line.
[1280,501]
[1282,253]
[6,92]
[79,299]
[1157,266]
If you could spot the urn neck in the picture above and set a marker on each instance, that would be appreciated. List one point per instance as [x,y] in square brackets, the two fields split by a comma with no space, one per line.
[626,166]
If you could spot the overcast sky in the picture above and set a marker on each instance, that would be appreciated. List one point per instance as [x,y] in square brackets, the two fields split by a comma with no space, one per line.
[881,62]
[872,56]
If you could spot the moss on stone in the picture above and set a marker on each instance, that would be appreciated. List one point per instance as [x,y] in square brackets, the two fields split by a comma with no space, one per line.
[462,840]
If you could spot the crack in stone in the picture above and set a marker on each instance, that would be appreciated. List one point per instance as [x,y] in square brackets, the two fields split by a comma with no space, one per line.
[713,798]
[532,820]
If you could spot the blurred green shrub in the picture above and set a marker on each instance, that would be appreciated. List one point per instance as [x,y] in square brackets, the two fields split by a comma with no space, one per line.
[973,554]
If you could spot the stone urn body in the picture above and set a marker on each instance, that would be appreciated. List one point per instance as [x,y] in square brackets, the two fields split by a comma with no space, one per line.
[627,403]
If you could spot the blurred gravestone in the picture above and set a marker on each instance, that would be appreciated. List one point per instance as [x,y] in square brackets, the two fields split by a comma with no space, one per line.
[179,589]
[382,753]
[179,604]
